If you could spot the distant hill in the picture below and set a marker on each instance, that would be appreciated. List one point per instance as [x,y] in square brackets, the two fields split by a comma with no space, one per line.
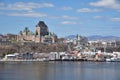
[96,37]
[70,37]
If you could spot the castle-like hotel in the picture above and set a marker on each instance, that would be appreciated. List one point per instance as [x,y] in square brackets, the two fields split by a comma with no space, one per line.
[41,35]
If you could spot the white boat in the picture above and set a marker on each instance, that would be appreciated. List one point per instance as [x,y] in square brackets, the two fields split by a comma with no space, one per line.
[108,60]
[113,60]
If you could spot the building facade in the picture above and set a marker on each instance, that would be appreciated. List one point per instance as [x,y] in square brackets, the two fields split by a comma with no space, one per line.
[4,41]
[41,34]
[12,37]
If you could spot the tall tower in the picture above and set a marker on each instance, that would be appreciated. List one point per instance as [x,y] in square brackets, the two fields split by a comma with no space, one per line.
[37,31]
[78,39]
[41,29]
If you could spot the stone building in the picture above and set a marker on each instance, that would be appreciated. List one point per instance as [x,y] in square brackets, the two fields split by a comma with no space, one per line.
[4,41]
[11,37]
[41,34]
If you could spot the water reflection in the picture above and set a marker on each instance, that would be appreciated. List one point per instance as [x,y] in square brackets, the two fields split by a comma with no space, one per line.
[59,71]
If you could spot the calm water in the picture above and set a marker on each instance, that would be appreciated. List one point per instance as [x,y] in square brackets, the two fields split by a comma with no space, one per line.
[59,71]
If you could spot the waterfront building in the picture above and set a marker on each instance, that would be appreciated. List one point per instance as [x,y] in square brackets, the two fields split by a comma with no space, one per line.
[27,56]
[54,55]
[41,34]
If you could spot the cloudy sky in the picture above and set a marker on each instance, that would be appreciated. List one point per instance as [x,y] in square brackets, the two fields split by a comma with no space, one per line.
[63,17]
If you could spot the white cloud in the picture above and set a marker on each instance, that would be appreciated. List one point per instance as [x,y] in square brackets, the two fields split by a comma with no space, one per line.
[24,6]
[68,22]
[67,8]
[114,4]
[88,10]
[69,17]
[97,17]
[27,14]
[115,19]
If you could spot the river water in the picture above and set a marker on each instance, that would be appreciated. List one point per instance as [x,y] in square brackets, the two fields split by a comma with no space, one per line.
[59,71]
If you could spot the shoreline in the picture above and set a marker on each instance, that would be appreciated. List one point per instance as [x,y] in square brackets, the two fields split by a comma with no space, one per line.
[58,60]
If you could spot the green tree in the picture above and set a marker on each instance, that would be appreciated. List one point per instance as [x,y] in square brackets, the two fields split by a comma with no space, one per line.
[26,30]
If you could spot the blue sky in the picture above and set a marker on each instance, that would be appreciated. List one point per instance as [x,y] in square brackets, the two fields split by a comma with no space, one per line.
[63,17]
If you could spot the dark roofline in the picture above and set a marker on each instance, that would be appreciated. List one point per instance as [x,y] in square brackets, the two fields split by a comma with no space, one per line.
[41,23]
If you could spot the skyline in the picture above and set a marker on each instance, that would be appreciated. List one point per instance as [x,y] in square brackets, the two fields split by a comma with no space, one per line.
[87,18]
